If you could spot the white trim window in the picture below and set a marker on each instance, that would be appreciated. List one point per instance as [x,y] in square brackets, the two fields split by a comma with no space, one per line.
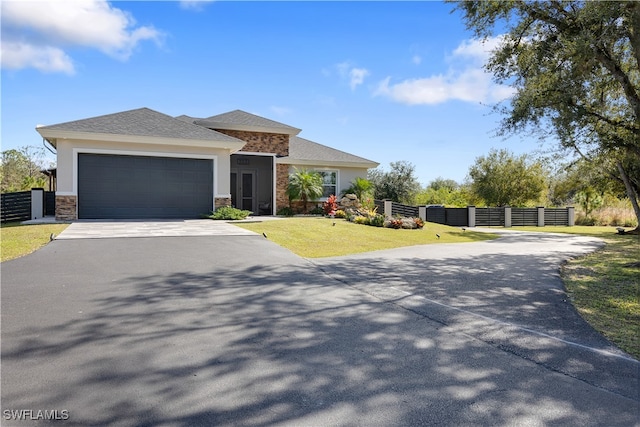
[329,182]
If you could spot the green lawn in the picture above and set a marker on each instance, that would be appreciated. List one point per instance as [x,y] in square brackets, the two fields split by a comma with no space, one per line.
[18,240]
[602,287]
[314,237]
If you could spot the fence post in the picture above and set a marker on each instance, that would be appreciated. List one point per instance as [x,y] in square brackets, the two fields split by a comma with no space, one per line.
[471,212]
[507,216]
[422,212]
[388,208]
[540,216]
[37,203]
[571,216]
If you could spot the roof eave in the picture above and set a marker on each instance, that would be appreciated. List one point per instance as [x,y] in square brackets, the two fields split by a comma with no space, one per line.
[326,163]
[53,135]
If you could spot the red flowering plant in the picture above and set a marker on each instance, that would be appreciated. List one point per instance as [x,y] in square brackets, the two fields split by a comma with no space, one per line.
[330,206]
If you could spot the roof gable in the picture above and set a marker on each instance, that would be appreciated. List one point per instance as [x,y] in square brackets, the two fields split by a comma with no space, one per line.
[142,122]
[243,121]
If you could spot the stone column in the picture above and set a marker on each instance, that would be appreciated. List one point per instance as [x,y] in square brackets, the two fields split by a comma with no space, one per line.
[507,216]
[471,212]
[37,203]
[66,208]
[422,212]
[571,213]
[540,216]
[388,208]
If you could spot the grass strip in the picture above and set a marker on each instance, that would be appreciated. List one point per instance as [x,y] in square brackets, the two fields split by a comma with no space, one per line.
[17,240]
[316,237]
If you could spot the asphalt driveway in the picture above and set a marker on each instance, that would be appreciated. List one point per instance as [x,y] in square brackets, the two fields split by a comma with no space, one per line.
[235,330]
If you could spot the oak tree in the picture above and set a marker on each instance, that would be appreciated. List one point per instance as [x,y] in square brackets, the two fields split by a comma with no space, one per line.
[575,68]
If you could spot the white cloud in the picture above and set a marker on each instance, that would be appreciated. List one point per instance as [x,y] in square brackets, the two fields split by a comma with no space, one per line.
[196,5]
[478,50]
[416,59]
[33,31]
[355,75]
[16,55]
[465,80]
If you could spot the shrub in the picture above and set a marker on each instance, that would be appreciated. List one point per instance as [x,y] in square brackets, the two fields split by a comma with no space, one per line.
[330,205]
[361,220]
[317,211]
[229,213]
[340,214]
[377,220]
[393,223]
[285,211]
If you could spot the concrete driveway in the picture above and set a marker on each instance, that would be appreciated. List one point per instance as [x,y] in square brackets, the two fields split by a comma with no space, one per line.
[235,330]
[106,229]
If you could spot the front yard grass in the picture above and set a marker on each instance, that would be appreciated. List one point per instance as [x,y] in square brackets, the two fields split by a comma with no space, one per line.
[17,240]
[315,237]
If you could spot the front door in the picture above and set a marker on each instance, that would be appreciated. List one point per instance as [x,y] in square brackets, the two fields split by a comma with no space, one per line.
[243,190]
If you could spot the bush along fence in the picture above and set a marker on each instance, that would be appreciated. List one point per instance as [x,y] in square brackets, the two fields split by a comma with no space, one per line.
[25,205]
[472,216]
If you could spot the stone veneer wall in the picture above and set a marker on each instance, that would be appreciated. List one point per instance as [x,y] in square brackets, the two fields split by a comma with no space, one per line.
[66,208]
[263,142]
[260,142]
[222,201]
[282,182]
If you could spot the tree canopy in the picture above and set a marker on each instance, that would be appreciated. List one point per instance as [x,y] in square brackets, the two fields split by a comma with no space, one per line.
[399,184]
[503,179]
[575,67]
[21,169]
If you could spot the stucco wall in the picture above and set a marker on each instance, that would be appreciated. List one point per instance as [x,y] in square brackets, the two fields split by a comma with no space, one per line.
[67,151]
[344,178]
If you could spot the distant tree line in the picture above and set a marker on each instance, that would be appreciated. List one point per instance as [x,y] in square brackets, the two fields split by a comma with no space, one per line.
[21,169]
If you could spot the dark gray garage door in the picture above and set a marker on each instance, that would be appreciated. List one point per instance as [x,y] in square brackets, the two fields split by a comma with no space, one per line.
[113,186]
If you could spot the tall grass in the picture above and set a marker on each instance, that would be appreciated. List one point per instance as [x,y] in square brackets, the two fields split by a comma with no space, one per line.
[618,213]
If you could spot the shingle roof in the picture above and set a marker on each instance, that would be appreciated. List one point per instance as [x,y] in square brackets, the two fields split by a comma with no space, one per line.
[186,118]
[241,120]
[141,122]
[301,149]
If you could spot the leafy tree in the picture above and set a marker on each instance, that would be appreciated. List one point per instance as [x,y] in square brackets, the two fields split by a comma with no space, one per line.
[399,184]
[580,175]
[20,169]
[503,179]
[304,185]
[440,183]
[589,200]
[446,192]
[575,67]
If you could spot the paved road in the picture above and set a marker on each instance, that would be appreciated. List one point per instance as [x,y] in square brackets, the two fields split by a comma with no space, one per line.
[235,330]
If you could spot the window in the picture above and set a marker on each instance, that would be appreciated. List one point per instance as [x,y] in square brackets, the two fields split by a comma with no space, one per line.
[329,183]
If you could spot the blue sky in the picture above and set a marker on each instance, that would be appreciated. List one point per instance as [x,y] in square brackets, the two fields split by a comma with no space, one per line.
[387,81]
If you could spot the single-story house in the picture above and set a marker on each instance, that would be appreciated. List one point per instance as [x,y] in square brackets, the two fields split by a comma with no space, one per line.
[146,164]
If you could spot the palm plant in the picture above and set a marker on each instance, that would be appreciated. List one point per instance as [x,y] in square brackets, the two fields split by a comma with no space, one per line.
[304,185]
[360,187]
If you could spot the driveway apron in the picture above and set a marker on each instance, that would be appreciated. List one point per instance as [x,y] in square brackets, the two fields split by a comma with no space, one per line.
[109,229]
[233,330]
